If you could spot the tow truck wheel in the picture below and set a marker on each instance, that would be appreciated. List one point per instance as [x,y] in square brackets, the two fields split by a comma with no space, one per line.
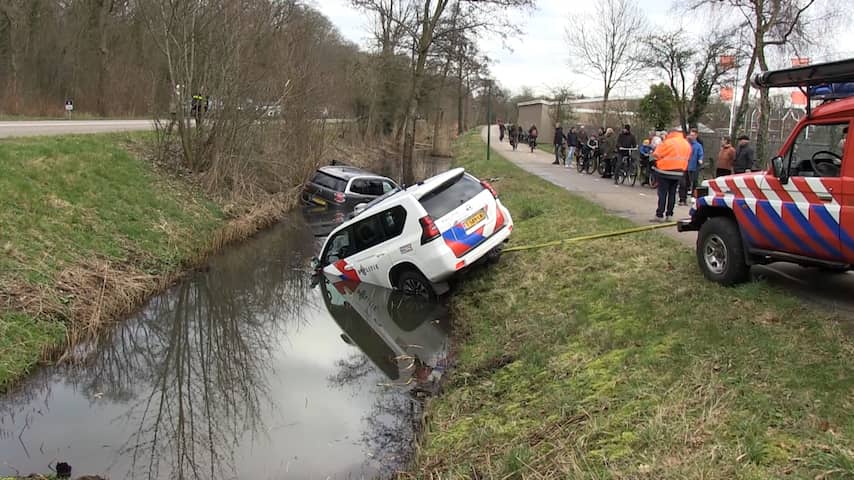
[412,282]
[720,252]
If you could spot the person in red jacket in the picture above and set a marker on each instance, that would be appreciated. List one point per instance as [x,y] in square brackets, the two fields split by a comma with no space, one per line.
[671,161]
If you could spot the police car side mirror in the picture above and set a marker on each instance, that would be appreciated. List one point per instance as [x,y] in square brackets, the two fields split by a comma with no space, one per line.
[781,173]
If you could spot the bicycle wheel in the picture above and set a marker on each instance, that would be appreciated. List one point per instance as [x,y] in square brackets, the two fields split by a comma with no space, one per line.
[580,164]
[600,166]
[590,165]
[618,171]
[634,172]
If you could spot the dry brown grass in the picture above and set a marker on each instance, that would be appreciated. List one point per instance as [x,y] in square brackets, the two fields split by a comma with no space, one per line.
[92,294]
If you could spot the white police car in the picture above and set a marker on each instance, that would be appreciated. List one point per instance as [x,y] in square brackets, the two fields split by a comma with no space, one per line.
[416,238]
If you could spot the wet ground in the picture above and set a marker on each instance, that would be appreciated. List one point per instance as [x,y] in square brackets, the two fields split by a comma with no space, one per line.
[244,370]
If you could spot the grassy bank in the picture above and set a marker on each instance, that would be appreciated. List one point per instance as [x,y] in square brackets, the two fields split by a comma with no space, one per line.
[87,231]
[615,359]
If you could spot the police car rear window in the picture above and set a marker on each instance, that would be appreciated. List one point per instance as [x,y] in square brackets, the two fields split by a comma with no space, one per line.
[446,198]
[330,182]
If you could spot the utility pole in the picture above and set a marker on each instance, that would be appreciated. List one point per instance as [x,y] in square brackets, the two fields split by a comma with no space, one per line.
[488,118]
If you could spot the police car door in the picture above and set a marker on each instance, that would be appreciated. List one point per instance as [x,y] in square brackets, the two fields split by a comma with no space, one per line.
[374,237]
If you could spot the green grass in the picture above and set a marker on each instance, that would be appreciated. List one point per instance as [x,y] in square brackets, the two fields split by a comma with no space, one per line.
[546,147]
[70,201]
[628,364]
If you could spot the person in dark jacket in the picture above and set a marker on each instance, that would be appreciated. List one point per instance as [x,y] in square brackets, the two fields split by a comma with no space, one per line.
[695,165]
[572,142]
[558,143]
[608,144]
[627,138]
[745,157]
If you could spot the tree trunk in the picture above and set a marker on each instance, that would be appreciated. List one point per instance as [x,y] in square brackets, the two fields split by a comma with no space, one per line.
[744,102]
[605,96]
[764,109]
[104,8]
[460,119]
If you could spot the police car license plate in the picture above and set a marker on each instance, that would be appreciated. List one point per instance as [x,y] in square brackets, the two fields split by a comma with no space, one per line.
[475,219]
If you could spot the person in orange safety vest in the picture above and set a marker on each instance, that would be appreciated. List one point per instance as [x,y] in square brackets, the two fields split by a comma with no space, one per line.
[671,161]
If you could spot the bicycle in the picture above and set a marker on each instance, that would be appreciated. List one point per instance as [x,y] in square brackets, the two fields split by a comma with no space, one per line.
[626,167]
[648,173]
[589,161]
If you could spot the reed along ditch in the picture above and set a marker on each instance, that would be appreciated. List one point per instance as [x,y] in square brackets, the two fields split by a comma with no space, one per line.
[242,370]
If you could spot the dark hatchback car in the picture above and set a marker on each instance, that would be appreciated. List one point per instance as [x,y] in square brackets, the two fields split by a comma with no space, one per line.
[344,186]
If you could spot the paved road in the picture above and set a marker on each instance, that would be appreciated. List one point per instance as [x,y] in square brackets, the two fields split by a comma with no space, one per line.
[58,127]
[638,205]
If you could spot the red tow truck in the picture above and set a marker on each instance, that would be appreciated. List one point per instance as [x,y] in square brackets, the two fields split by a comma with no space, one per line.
[800,210]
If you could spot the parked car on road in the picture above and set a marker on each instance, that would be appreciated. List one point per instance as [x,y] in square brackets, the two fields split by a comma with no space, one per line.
[417,238]
[345,186]
[800,210]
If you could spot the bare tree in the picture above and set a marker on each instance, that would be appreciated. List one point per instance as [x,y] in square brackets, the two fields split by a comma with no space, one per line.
[605,44]
[767,23]
[691,68]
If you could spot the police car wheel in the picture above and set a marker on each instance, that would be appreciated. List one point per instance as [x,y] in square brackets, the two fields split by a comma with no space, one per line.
[720,252]
[413,283]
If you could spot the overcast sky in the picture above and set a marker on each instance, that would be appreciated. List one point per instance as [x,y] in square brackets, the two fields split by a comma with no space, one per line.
[542,68]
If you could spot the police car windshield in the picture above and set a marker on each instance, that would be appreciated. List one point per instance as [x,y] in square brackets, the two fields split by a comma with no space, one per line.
[444,199]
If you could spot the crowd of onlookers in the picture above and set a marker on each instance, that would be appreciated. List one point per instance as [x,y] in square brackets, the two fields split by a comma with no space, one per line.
[674,159]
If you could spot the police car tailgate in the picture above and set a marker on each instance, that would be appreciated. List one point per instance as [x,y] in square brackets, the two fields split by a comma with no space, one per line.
[466,214]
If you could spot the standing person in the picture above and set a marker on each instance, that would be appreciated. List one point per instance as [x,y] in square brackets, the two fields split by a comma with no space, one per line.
[671,161]
[558,143]
[501,130]
[745,157]
[726,157]
[582,136]
[514,136]
[656,139]
[695,163]
[572,141]
[533,133]
[608,144]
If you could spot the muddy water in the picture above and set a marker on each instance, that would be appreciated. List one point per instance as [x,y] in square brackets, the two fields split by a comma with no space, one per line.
[243,370]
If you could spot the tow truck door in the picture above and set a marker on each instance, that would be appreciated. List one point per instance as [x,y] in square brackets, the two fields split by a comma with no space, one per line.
[804,215]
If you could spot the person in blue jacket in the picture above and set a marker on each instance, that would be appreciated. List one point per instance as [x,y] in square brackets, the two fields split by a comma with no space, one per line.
[695,164]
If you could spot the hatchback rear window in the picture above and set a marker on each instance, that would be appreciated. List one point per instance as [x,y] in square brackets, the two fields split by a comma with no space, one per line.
[330,182]
[446,198]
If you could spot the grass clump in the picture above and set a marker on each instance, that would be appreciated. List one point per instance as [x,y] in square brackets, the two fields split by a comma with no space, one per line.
[621,361]
[81,220]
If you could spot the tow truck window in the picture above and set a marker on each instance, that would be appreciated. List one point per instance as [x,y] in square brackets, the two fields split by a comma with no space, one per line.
[817,151]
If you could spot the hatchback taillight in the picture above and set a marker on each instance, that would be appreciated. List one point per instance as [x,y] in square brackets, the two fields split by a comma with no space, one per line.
[429,231]
[487,186]
[339,197]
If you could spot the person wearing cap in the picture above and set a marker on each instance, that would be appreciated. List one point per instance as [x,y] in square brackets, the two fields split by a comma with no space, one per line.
[745,157]
[671,161]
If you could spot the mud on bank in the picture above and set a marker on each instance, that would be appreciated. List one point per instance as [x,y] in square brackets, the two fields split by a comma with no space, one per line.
[89,230]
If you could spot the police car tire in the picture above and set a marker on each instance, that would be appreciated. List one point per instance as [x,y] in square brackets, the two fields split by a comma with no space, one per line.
[736,269]
[416,277]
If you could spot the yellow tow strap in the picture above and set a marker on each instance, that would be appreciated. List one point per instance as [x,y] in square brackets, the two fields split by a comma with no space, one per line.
[590,237]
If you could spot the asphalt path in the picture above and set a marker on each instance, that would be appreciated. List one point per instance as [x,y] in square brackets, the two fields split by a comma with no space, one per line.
[61,127]
[832,290]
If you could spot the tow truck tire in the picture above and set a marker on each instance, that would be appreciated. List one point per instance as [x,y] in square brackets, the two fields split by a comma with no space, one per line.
[720,252]
[412,282]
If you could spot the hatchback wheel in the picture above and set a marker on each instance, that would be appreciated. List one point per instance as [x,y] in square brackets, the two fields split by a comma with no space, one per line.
[412,282]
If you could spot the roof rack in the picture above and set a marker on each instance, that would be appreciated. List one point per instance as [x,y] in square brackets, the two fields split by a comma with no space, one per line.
[817,82]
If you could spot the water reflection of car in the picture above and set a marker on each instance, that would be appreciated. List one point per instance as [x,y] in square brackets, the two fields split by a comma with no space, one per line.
[344,186]
[399,333]
[417,238]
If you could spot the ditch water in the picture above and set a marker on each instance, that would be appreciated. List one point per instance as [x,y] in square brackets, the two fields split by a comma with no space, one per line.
[243,370]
